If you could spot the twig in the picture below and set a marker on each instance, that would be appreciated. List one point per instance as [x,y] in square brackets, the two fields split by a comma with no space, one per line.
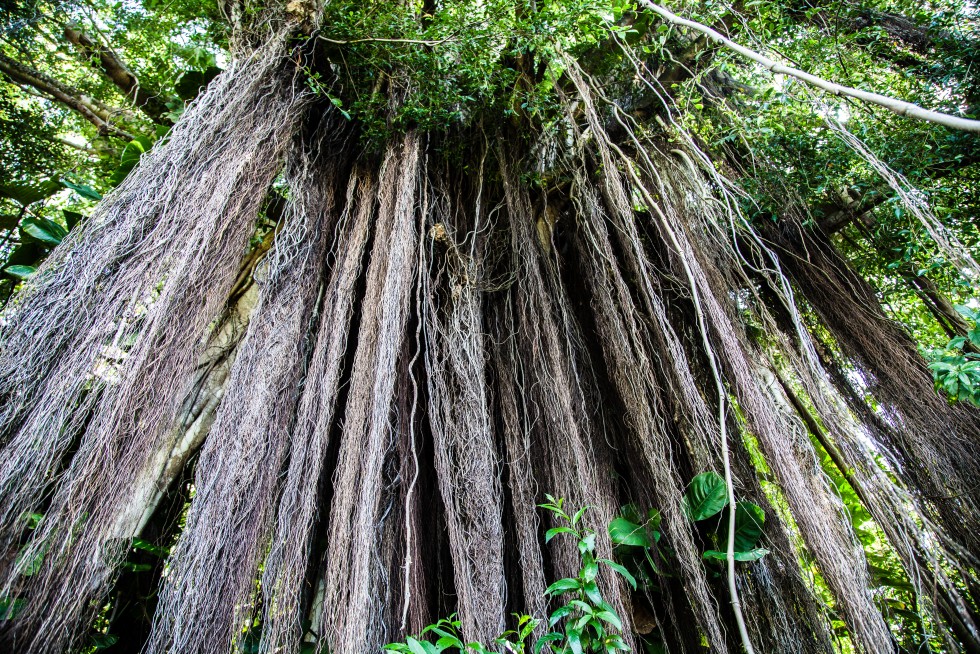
[900,107]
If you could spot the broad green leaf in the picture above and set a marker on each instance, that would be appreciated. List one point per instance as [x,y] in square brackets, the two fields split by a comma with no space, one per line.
[72,218]
[449,641]
[147,546]
[624,532]
[706,495]
[414,646]
[43,230]
[129,158]
[610,618]
[558,530]
[749,519]
[558,614]
[751,555]
[591,591]
[104,641]
[589,570]
[544,640]
[20,272]
[30,253]
[193,82]
[27,194]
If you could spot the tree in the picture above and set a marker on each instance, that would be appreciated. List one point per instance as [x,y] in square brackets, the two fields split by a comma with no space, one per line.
[301,379]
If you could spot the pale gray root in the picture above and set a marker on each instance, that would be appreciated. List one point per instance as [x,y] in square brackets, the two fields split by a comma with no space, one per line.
[628,358]
[460,417]
[290,556]
[108,365]
[518,459]
[932,444]
[196,416]
[676,197]
[625,359]
[925,548]
[568,450]
[818,513]
[350,624]
[206,599]
[783,615]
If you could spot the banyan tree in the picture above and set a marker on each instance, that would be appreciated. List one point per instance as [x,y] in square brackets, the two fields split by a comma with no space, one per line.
[503,266]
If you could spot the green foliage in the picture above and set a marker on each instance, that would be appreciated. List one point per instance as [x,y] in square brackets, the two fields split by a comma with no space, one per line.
[584,624]
[956,367]
[706,495]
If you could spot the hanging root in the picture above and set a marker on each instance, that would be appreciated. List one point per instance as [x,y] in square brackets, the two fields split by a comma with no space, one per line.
[238,473]
[101,371]
[352,576]
[459,411]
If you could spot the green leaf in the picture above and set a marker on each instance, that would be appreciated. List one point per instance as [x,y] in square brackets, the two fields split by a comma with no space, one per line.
[83,190]
[751,555]
[129,158]
[591,591]
[147,546]
[630,579]
[589,570]
[9,608]
[27,194]
[104,641]
[30,253]
[610,618]
[544,640]
[587,544]
[20,272]
[562,585]
[43,230]
[558,614]
[706,495]
[72,218]
[191,83]
[558,530]
[749,519]
[624,532]
[449,641]
[414,646]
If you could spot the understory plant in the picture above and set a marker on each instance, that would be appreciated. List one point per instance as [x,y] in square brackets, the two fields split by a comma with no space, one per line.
[956,367]
[584,624]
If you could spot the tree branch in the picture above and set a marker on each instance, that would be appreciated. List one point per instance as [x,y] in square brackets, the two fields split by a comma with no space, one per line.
[20,74]
[894,105]
[120,75]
